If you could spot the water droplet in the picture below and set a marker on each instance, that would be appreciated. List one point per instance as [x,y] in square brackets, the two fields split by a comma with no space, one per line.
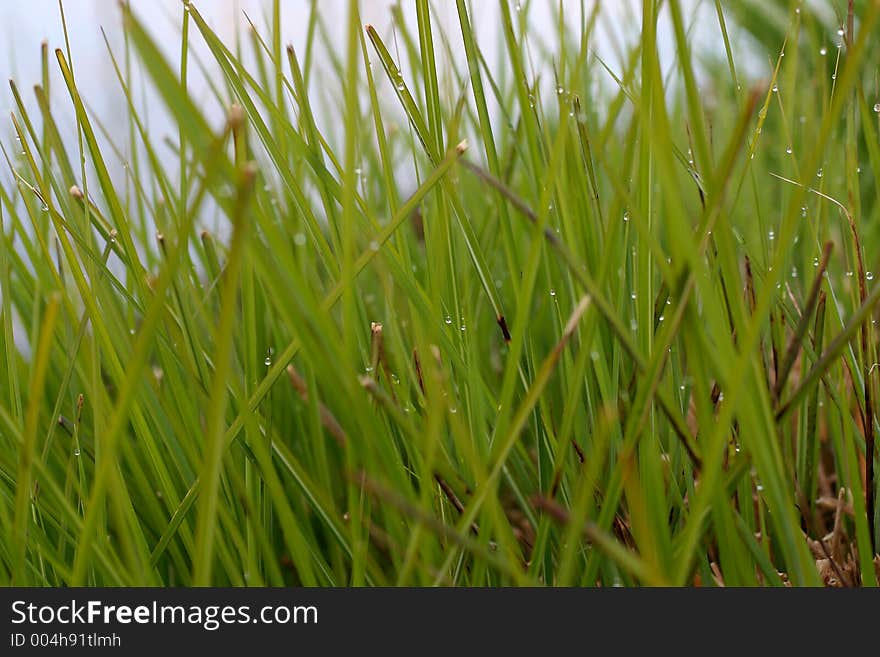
[552,292]
[794,272]
[560,90]
[633,296]
[775,88]
[771,235]
[532,101]
[625,216]
[819,173]
[840,32]
[448,319]
[517,7]
[803,211]
[869,275]
[815,262]
[395,379]
[368,369]
[789,150]
[44,207]
[877,107]
[594,355]
[720,397]
[401,86]
[453,410]
[299,239]
[834,76]
[661,318]
[849,274]
[76,451]
[267,361]
[374,246]
[823,51]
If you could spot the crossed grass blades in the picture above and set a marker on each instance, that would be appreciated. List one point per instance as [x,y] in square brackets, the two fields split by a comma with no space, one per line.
[502,326]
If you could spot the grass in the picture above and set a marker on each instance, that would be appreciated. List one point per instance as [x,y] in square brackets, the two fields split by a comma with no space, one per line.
[498,325]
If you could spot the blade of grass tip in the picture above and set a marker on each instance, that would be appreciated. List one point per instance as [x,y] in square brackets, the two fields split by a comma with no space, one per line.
[24,479]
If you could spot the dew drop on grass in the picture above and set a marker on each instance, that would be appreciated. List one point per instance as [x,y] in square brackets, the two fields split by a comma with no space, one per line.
[840,32]
[789,150]
[453,410]
[374,246]
[625,216]
[448,319]
[400,85]
[815,262]
[560,90]
[552,292]
[877,107]
[869,275]
[299,239]
[76,451]
[775,88]
[395,379]
[771,235]
[267,361]
[823,51]
[633,296]
[804,211]
[819,173]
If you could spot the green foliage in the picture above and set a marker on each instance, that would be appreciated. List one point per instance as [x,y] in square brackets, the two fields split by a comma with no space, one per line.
[501,327]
